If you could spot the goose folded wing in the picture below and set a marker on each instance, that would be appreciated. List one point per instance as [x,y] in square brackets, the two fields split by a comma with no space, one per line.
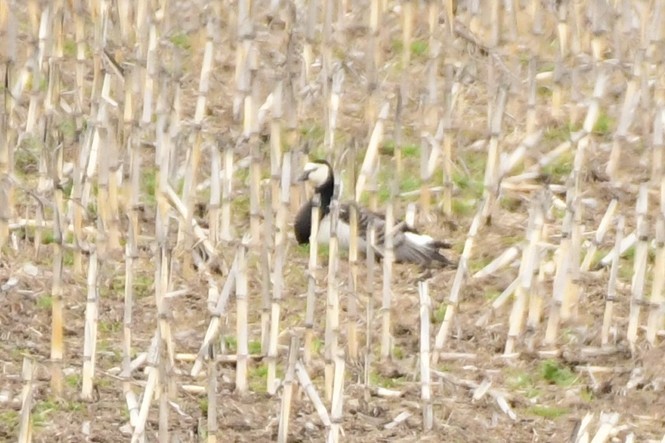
[408,244]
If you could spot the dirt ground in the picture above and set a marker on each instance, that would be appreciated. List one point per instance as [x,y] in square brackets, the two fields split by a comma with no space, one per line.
[546,408]
[546,398]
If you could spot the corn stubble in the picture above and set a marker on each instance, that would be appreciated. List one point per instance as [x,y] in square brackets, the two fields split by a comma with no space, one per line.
[109,105]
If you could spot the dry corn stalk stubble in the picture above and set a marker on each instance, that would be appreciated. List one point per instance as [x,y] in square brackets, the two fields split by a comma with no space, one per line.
[123,113]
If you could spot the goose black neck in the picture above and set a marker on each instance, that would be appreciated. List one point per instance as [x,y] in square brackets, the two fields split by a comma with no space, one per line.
[326,192]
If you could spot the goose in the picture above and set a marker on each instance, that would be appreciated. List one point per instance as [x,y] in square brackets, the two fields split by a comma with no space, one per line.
[409,246]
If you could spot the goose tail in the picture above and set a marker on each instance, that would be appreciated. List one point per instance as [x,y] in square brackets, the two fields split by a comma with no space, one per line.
[422,250]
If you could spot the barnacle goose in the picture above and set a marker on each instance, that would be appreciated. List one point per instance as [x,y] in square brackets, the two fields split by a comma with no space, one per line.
[408,245]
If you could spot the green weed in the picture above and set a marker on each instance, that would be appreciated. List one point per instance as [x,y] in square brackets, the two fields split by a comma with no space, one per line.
[45,302]
[419,48]
[377,379]
[439,313]
[181,40]
[231,344]
[549,412]
[464,208]
[604,124]
[559,169]
[203,406]
[73,380]
[552,372]
[524,382]
[254,347]
[9,422]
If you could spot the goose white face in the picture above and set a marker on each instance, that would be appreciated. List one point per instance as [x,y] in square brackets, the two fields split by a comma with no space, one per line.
[316,173]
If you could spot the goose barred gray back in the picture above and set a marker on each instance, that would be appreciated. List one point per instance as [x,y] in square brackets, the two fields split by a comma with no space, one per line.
[408,245]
